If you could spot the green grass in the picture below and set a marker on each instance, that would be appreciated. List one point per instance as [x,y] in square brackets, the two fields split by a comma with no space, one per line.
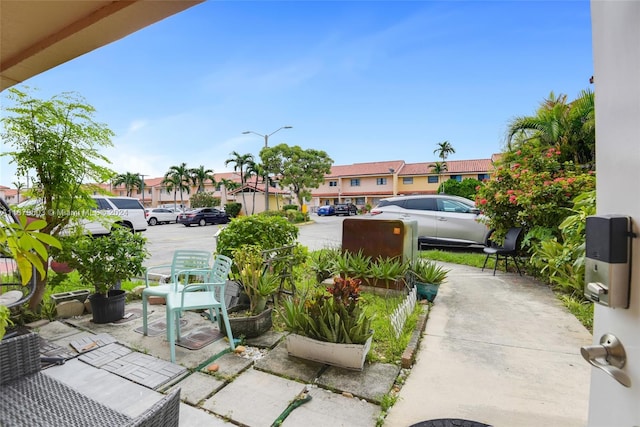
[579,307]
[386,347]
[472,258]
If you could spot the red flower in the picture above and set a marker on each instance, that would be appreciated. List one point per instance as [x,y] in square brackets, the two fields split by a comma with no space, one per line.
[513,199]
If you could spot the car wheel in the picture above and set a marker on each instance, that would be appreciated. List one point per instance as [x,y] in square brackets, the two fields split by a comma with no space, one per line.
[202,222]
[153,221]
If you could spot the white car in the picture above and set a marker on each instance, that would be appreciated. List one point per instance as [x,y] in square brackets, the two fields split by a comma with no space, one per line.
[443,220]
[125,211]
[161,216]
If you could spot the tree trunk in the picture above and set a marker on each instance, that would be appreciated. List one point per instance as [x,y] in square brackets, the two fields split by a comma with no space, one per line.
[38,295]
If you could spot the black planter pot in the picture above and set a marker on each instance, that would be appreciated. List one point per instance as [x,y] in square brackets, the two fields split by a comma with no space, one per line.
[110,308]
[249,326]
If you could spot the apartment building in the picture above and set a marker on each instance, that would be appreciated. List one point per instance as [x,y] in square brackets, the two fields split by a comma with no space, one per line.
[366,183]
[359,183]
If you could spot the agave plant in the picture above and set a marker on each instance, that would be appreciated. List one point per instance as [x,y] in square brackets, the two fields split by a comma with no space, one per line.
[337,317]
[429,272]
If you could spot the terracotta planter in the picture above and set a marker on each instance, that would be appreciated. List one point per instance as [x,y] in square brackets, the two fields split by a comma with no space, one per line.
[60,267]
[349,356]
[384,283]
[249,326]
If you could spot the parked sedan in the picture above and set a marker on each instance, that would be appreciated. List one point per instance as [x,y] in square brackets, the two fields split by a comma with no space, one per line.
[203,216]
[326,210]
[161,216]
[346,209]
[443,220]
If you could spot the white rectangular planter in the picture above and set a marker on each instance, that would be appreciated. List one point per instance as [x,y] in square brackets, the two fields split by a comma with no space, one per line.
[350,356]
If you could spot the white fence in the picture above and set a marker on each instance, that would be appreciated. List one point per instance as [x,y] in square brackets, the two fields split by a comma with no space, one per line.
[400,314]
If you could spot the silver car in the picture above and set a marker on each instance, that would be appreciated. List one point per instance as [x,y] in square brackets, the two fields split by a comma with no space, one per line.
[443,220]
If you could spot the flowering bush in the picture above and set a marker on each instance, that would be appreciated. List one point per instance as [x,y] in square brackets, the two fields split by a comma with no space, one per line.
[332,315]
[531,188]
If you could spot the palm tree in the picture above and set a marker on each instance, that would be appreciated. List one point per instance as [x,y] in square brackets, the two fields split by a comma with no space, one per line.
[19,186]
[570,127]
[228,184]
[129,180]
[443,150]
[240,163]
[172,183]
[439,168]
[180,179]
[199,177]
[258,170]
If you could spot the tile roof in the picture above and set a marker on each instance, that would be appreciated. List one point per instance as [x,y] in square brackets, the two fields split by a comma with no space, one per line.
[453,166]
[358,169]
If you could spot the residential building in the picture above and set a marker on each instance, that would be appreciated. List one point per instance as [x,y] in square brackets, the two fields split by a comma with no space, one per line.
[366,183]
[360,183]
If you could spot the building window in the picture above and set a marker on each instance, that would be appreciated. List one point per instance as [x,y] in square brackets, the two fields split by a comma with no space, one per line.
[456,177]
[483,176]
[408,180]
[359,201]
[381,181]
[355,182]
[432,179]
[333,183]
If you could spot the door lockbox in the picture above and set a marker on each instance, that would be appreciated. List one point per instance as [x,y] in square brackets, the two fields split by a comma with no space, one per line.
[608,260]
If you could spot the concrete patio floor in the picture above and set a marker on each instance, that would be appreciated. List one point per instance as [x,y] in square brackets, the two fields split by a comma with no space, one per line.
[253,389]
[500,350]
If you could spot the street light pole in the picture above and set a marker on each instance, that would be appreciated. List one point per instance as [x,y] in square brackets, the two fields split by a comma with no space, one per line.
[266,144]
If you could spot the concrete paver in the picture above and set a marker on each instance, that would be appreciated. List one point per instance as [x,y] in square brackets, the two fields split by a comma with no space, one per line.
[372,383]
[332,409]
[254,398]
[197,387]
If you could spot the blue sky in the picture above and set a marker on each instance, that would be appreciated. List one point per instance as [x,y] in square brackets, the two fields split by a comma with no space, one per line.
[362,80]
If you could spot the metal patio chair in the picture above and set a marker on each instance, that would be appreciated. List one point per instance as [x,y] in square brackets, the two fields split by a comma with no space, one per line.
[508,249]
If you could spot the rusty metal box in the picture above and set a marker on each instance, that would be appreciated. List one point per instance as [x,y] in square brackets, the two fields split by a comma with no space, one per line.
[381,237]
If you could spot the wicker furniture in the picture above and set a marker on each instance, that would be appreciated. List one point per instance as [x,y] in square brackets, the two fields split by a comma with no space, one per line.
[29,397]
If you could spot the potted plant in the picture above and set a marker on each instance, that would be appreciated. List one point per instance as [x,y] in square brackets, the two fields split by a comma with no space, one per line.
[330,326]
[388,273]
[258,284]
[429,276]
[103,263]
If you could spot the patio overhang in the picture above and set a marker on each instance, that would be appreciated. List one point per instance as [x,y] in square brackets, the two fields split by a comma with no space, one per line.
[37,35]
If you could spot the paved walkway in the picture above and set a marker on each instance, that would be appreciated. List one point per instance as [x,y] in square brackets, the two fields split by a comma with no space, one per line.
[500,350]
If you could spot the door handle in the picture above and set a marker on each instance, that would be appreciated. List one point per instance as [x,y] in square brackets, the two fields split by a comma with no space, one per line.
[608,356]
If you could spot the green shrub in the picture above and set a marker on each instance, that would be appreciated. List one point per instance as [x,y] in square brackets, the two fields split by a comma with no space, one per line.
[532,188]
[560,261]
[233,209]
[204,200]
[290,207]
[465,188]
[265,231]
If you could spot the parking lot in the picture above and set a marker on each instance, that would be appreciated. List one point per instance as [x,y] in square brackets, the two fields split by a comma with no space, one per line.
[164,239]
